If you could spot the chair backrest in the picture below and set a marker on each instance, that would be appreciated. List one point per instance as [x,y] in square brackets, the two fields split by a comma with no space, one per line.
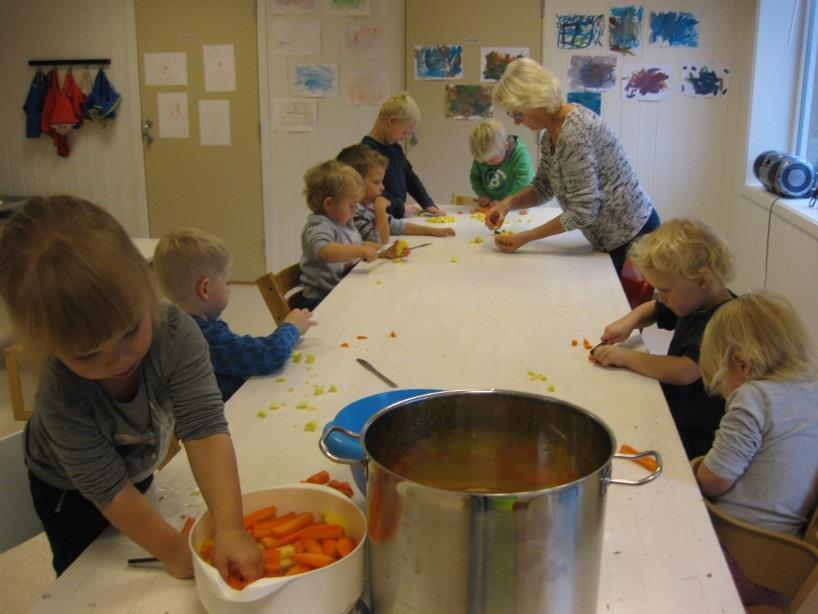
[811,532]
[460,199]
[12,356]
[19,520]
[777,561]
[277,289]
[637,290]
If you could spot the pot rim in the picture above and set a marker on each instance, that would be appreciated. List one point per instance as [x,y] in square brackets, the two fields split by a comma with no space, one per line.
[367,457]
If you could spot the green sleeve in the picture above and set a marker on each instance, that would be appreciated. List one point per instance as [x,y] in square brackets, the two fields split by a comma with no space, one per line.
[476,178]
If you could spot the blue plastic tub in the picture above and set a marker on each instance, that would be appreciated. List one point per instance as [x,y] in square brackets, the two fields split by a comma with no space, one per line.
[354,416]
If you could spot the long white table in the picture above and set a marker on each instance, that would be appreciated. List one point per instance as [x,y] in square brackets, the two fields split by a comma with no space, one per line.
[464,316]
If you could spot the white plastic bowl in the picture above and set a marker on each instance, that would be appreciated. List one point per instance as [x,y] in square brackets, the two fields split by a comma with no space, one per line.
[333,589]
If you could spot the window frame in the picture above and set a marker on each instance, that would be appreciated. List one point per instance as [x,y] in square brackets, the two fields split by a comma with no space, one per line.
[808,96]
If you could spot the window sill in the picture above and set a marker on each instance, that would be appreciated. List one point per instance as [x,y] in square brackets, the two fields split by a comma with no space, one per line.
[795,211]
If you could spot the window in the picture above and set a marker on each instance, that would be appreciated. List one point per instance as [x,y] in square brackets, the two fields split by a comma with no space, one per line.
[808,122]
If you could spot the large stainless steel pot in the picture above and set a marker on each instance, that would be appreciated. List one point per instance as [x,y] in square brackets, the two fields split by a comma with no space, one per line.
[448,535]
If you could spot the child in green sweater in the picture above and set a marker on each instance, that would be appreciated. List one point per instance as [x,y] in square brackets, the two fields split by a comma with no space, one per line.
[501,163]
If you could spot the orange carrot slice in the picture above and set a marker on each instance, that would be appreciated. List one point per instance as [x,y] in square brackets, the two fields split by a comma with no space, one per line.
[312,545]
[313,560]
[322,477]
[648,462]
[322,531]
[330,547]
[299,522]
[345,546]
[262,514]
[297,569]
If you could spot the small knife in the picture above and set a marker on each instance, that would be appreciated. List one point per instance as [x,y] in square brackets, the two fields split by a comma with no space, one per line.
[368,366]
[419,246]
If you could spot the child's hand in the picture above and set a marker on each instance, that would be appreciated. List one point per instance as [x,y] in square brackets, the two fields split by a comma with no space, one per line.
[234,549]
[509,242]
[301,319]
[368,253]
[496,214]
[616,332]
[381,203]
[441,232]
[392,252]
[609,355]
[435,210]
[483,202]
[180,564]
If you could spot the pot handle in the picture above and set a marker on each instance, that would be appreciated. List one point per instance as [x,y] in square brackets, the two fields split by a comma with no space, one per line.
[322,443]
[649,478]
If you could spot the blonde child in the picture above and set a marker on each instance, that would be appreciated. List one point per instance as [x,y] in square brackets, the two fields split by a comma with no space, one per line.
[330,243]
[193,270]
[371,218]
[501,165]
[689,266]
[397,119]
[121,374]
[762,467]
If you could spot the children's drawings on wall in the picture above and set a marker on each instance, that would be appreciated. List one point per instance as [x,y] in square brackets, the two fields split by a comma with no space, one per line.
[219,68]
[646,83]
[214,122]
[295,114]
[468,101]
[493,60]
[165,68]
[292,7]
[365,42]
[438,61]
[594,73]
[315,80]
[589,100]
[362,87]
[704,80]
[625,29]
[173,115]
[674,29]
[579,31]
[348,7]
[296,38]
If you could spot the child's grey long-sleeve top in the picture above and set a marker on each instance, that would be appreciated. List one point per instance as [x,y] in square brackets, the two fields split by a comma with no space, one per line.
[318,278]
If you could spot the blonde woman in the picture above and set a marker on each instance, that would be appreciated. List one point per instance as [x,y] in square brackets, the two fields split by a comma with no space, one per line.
[582,164]
[762,467]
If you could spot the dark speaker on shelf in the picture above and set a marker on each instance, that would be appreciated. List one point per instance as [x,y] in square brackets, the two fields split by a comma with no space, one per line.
[785,174]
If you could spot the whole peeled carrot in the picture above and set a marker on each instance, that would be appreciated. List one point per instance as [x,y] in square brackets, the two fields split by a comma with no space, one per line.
[648,462]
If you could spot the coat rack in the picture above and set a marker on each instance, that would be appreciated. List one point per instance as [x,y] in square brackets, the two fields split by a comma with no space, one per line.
[101,61]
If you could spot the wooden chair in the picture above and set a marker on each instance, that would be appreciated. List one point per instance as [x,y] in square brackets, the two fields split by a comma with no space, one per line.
[279,290]
[780,562]
[461,199]
[12,355]
[637,290]
[18,520]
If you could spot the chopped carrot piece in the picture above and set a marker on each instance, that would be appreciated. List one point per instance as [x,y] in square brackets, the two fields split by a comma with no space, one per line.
[298,546]
[523,212]
[574,343]
[236,583]
[322,531]
[344,487]
[206,549]
[311,545]
[586,344]
[322,477]
[297,569]
[299,522]
[362,337]
[189,522]
[393,334]
[287,539]
[345,345]
[262,514]
[313,560]
[330,547]
[648,462]
[345,546]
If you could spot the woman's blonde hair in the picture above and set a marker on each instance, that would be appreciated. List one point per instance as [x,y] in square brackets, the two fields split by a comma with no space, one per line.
[401,106]
[186,255]
[487,140]
[70,276]
[762,328]
[526,85]
[684,248]
[331,179]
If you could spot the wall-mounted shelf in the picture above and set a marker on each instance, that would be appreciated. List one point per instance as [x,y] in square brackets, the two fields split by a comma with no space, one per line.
[80,62]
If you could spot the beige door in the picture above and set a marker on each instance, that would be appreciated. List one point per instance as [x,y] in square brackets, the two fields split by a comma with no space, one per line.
[441,157]
[214,187]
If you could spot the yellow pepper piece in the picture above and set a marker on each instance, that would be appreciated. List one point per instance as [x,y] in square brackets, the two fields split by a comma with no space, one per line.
[310,359]
[310,426]
[296,356]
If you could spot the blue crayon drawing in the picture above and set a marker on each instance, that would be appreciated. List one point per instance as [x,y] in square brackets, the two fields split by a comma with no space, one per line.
[579,31]
[674,29]
[589,100]
[315,80]
[625,28]
[704,81]
[438,61]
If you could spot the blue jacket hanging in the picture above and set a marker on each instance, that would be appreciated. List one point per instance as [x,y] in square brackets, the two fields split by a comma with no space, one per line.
[103,99]
[33,105]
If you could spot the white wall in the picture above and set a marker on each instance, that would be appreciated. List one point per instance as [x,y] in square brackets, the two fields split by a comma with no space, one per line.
[286,155]
[105,165]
